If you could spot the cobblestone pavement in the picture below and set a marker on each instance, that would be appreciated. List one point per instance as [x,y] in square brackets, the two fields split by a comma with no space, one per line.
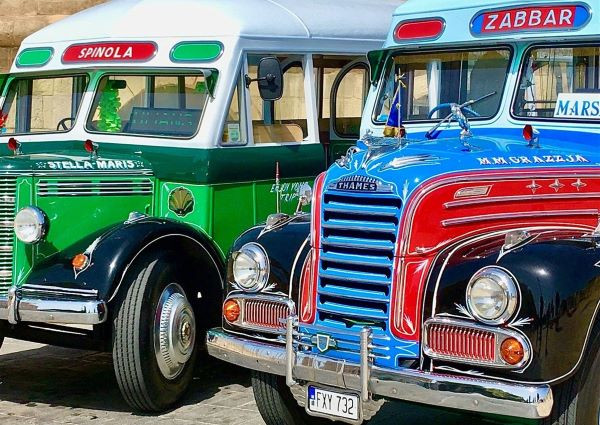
[50,385]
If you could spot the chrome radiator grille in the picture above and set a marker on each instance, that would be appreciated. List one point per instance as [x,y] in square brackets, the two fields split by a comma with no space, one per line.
[357,261]
[7,215]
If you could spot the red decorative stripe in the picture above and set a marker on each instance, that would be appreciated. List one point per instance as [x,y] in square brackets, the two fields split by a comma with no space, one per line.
[310,271]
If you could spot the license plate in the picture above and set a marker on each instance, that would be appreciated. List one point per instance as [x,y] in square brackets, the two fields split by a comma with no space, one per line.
[332,403]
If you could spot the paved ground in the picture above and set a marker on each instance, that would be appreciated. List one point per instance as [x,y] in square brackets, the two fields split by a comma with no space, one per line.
[49,385]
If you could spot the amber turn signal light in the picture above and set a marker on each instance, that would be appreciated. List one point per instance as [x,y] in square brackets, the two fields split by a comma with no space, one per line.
[231,310]
[512,351]
[80,261]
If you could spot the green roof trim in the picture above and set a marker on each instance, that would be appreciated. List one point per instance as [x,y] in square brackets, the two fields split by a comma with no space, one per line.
[34,57]
[197,51]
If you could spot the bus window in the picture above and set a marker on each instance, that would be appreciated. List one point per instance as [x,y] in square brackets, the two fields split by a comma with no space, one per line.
[234,130]
[284,120]
[152,105]
[341,82]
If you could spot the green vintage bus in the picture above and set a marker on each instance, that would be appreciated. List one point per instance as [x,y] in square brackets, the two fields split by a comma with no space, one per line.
[138,139]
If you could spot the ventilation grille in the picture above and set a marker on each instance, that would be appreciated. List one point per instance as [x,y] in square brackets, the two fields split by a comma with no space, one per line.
[95,187]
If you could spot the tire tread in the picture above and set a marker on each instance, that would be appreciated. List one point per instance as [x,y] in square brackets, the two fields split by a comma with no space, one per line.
[127,357]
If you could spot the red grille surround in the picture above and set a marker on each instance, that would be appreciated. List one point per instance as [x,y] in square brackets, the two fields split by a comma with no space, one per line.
[265,314]
[450,341]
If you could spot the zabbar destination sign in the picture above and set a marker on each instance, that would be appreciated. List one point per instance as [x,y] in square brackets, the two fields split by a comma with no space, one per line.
[533,18]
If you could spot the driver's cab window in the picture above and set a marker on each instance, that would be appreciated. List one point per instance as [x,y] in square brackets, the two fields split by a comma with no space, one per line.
[422,81]
[42,105]
[283,120]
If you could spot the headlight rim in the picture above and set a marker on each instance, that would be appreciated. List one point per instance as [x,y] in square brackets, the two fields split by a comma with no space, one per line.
[508,282]
[41,225]
[255,251]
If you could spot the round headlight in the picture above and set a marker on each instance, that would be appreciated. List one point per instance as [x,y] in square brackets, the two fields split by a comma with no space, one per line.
[30,225]
[251,267]
[492,295]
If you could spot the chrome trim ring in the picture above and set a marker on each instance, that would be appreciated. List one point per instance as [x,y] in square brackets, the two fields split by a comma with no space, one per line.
[507,282]
[174,331]
[259,255]
[41,224]
[501,335]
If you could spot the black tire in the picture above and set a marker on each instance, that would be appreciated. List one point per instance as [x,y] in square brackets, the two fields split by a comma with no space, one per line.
[577,400]
[276,404]
[1,340]
[143,385]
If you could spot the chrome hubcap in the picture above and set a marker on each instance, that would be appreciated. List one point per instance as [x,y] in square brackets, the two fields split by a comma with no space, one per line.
[174,331]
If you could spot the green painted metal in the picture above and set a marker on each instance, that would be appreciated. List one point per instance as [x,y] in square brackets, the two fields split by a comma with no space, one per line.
[231,189]
[35,57]
[197,51]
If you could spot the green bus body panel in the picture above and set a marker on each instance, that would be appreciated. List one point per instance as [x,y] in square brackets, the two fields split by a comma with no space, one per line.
[220,192]
[199,166]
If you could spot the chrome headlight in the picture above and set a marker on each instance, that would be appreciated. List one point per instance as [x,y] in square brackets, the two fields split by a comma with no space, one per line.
[492,295]
[251,267]
[30,225]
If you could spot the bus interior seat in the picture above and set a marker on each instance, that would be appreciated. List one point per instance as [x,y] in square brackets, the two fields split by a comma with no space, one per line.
[277,133]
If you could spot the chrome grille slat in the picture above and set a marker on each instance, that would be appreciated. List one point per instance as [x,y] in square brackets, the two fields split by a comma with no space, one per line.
[356,268]
[8,188]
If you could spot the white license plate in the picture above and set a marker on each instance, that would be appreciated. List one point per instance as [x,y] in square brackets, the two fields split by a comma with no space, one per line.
[331,403]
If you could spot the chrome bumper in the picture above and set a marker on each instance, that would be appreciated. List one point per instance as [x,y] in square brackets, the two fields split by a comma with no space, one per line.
[41,304]
[449,391]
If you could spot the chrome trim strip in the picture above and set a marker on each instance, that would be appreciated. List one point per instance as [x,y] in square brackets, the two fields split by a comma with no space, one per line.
[524,214]
[500,333]
[520,198]
[447,391]
[17,308]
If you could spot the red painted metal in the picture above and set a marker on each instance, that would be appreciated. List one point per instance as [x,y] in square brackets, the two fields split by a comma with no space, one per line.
[310,271]
[517,198]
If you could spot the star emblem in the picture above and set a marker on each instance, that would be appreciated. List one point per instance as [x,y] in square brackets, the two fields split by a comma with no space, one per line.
[534,186]
[578,184]
[557,185]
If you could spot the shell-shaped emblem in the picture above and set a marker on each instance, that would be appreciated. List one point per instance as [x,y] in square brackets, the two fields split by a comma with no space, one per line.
[181,201]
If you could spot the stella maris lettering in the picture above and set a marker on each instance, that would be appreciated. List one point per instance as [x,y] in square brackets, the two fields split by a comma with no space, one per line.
[106,53]
[89,165]
[535,159]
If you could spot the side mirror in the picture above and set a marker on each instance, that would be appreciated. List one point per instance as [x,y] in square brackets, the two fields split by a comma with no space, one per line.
[304,197]
[269,78]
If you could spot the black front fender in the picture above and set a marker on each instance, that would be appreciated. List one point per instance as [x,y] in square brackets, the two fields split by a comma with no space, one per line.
[287,247]
[112,252]
[558,273]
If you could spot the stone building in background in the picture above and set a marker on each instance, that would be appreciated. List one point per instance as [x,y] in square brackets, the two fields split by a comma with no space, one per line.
[19,18]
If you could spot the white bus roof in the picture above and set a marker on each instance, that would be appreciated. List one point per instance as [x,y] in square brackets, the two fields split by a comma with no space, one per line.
[362,23]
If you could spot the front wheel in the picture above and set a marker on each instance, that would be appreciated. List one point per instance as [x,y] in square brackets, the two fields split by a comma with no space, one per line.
[154,345]
[276,403]
[577,400]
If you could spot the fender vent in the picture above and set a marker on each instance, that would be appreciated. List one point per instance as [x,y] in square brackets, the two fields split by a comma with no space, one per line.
[95,187]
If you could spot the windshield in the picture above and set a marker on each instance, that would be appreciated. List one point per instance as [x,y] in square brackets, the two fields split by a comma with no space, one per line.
[150,105]
[42,105]
[560,83]
[432,78]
